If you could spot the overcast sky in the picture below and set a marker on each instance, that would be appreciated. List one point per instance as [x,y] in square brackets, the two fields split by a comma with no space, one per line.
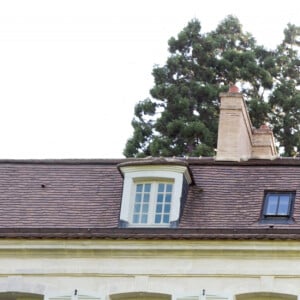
[71,71]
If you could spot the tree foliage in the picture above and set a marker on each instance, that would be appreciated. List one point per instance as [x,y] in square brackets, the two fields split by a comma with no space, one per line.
[285,97]
[181,117]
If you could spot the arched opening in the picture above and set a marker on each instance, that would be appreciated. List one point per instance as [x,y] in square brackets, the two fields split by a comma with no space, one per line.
[20,296]
[140,296]
[265,296]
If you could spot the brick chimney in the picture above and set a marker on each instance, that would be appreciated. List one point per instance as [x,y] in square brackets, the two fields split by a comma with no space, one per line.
[237,139]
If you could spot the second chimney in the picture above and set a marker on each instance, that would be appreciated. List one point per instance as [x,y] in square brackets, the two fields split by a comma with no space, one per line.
[237,139]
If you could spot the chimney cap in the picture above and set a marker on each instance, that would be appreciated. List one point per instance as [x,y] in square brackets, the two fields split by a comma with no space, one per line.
[264,128]
[233,89]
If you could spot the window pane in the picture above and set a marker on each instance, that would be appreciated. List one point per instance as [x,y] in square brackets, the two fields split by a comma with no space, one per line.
[135,219]
[158,208]
[160,198]
[272,205]
[157,219]
[161,188]
[168,198]
[167,208]
[145,208]
[284,204]
[137,208]
[169,188]
[144,219]
[138,197]
[146,197]
[139,188]
[166,219]
[147,188]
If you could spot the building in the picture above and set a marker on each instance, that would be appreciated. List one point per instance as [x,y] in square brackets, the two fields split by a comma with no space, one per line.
[158,228]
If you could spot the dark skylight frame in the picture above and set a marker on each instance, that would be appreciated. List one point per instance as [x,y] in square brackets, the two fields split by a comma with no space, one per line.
[278,206]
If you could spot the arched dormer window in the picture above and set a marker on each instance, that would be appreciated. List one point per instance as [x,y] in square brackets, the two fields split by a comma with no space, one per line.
[154,192]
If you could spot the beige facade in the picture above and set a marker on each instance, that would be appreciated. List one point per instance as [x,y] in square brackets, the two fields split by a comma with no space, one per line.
[174,269]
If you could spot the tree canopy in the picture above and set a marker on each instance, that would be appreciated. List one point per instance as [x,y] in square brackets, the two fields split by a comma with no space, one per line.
[181,116]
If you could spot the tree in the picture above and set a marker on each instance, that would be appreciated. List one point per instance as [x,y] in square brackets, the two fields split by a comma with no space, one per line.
[285,97]
[181,117]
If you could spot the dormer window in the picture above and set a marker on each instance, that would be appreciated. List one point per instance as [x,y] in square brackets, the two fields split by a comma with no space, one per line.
[152,203]
[153,192]
[278,206]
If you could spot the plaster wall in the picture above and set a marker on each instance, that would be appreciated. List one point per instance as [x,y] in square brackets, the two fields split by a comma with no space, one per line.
[177,268]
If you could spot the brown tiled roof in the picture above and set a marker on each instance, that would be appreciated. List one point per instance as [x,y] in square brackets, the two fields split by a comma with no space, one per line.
[70,194]
[82,198]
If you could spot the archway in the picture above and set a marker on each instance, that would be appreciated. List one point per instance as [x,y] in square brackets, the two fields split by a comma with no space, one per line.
[140,296]
[265,296]
[20,296]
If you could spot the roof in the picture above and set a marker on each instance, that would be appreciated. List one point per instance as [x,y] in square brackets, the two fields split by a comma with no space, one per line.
[82,199]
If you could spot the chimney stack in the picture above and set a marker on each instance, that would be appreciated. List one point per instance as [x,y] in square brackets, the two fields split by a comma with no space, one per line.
[263,143]
[237,139]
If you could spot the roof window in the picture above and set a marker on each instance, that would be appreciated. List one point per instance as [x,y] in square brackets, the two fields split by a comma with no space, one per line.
[278,206]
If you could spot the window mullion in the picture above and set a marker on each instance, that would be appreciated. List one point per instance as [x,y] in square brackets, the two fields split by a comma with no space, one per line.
[278,202]
[152,207]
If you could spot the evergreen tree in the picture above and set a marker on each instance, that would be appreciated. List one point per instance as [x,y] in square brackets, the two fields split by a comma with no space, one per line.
[181,117]
[285,98]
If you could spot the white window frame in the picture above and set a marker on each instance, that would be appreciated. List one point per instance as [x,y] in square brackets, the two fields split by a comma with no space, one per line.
[151,214]
[152,173]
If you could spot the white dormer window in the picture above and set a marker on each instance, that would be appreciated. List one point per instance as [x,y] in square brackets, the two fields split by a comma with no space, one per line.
[153,194]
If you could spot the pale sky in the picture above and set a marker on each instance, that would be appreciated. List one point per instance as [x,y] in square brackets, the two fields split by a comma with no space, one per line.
[71,71]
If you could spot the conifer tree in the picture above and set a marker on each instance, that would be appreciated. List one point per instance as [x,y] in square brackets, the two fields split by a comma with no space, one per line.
[181,117]
[285,98]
